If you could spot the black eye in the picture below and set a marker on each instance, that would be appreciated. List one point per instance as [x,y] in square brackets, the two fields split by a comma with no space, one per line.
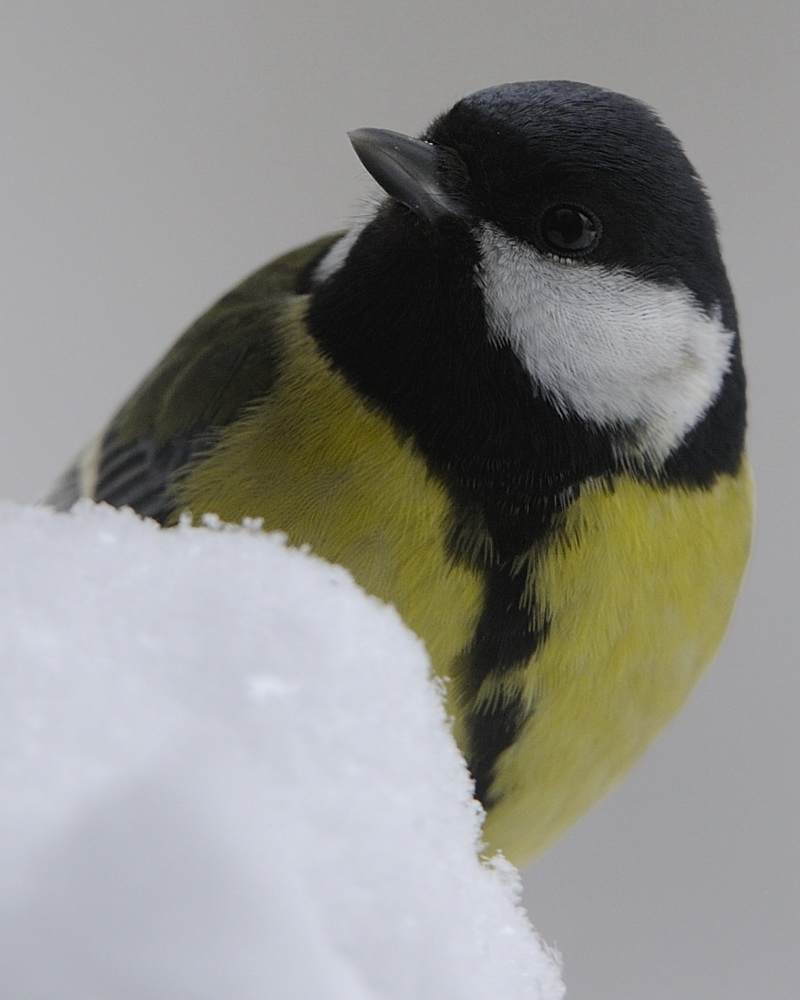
[567,229]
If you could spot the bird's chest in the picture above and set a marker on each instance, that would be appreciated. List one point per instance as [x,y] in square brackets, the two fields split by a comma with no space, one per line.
[638,592]
[630,598]
[642,577]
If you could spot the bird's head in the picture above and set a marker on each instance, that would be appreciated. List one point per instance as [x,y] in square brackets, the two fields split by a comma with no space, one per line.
[571,219]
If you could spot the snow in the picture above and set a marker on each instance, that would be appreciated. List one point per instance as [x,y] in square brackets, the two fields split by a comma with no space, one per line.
[226,773]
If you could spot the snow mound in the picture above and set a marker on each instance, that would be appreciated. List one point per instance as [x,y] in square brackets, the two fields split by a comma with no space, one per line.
[225,773]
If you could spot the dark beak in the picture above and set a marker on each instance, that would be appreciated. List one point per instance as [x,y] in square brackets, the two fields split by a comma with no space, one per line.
[409,170]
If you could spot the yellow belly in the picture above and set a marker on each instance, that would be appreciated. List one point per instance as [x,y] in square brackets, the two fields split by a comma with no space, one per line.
[638,587]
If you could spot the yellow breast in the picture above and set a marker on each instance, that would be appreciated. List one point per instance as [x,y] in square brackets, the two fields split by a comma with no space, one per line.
[640,589]
[638,586]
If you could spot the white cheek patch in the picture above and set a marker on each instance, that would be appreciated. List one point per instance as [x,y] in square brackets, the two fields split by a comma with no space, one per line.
[613,349]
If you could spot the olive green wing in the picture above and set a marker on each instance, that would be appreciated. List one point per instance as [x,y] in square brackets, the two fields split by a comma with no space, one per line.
[225,361]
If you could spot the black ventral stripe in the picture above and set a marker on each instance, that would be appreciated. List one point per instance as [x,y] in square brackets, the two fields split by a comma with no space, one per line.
[512,624]
[506,638]
[491,731]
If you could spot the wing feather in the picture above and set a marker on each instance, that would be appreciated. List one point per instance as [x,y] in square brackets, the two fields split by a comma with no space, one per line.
[226,360]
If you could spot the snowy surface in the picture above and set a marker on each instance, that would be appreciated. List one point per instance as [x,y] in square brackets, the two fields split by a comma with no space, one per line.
[225,773]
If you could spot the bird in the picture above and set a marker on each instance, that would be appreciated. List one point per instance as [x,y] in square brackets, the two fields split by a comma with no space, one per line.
[510,400]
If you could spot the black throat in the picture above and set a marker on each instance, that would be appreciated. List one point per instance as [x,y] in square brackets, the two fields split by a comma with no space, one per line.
[403,321]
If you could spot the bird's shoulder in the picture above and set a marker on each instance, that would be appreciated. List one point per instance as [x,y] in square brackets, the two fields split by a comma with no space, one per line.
[225,361]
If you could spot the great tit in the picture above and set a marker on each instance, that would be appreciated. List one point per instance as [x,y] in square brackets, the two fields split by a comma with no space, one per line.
[510,399]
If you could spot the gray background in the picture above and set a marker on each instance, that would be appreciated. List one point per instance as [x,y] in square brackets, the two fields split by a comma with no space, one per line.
[154,153]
